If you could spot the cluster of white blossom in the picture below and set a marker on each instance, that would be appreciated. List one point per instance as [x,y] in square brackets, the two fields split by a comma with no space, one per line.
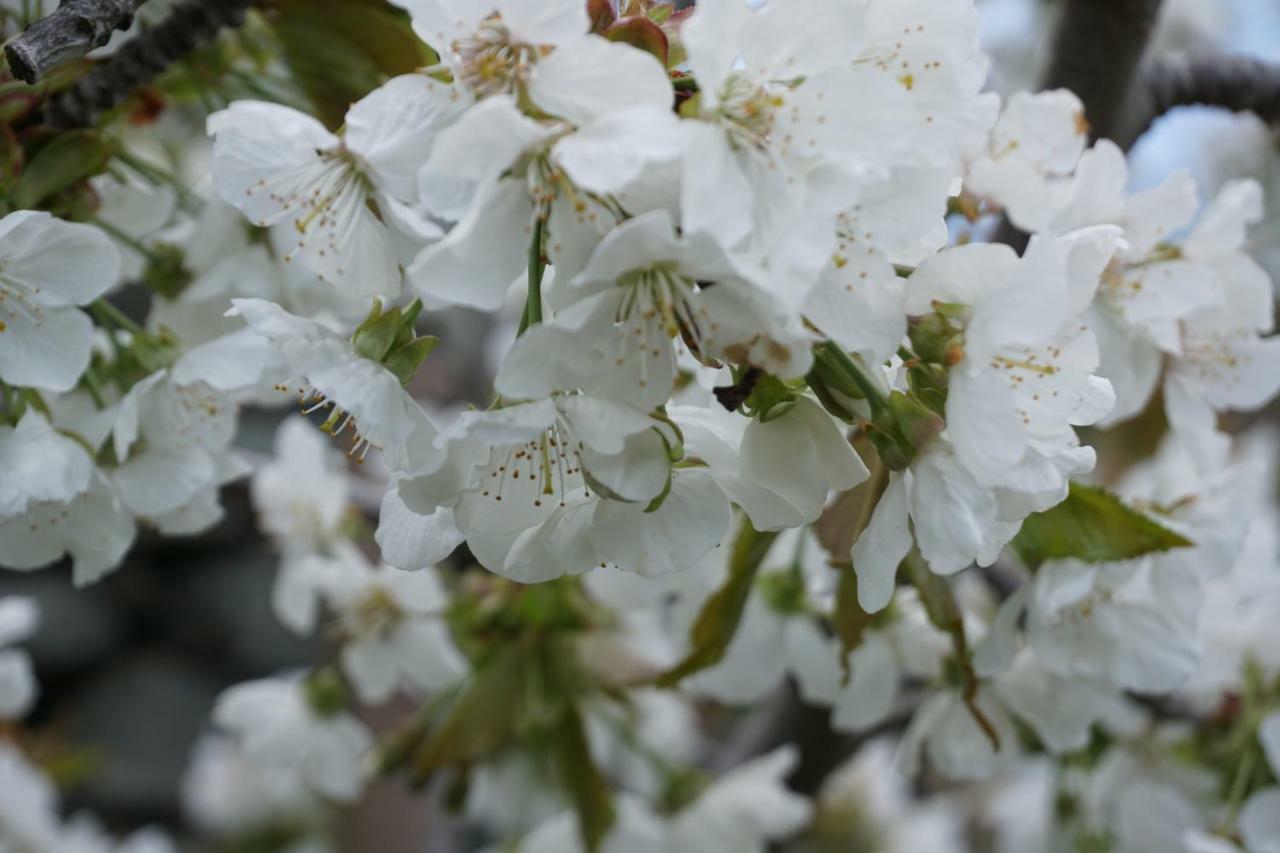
[767,396]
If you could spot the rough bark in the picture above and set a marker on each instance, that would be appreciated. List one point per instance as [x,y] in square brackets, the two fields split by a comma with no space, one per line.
[72,30]
[142,59]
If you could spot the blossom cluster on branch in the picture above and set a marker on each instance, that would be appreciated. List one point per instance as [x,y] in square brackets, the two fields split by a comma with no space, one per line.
[767,406]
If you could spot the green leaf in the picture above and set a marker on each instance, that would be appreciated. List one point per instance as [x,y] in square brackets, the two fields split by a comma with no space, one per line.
[1095,526]
[340,50]
[64,160]
[642,33]
[718,621]
[482,720]
[582,780]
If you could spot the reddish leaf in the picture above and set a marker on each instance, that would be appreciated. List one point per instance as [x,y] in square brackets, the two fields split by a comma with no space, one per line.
[641,33]
[602,15]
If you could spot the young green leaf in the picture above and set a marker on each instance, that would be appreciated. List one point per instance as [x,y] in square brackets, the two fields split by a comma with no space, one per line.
[65,160]
[1095,526]
[718,622]
[582,780]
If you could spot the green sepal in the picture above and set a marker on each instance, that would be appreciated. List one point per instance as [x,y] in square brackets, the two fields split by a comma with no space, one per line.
[661,497]
[408,323]
[405,361]
[155,351]
[770,398]
[935,337]
[902,430]
[374,337]
[829,400]
[326,692]
[929,384]
[166,272]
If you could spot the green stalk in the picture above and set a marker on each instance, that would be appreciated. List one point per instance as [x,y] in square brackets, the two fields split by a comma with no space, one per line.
[130,241]
[110,315]
[836,358]
[533,303]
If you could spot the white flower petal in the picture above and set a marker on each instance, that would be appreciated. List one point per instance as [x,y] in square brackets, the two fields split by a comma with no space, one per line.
[883,545]
[568,83]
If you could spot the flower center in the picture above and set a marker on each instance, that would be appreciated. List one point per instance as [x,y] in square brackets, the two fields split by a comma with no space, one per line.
[660,303]
[16,303]
[312,399]
[748,111]
[489,62]
[537,472]
[324,197]
[376,615]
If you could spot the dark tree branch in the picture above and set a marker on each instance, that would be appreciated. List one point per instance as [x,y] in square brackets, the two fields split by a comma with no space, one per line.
[1097,51]
[142,58]
[75,28]
[1236,83]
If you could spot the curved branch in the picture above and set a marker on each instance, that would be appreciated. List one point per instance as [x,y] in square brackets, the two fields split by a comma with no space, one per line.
[1236,83]
[72,30]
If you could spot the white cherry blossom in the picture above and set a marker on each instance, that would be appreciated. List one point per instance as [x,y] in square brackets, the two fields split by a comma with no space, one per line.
[48,267]
[506,177]
[642,287]
[393,627]
[274,723]
[18,620]
[350,198]
[539,50]
[359,393]
[777,100]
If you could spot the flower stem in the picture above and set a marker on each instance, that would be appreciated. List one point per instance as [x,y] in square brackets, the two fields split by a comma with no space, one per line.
[110,315]
[130,241]
[537,266]
[944,613]
[834,356]
[1240,784]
